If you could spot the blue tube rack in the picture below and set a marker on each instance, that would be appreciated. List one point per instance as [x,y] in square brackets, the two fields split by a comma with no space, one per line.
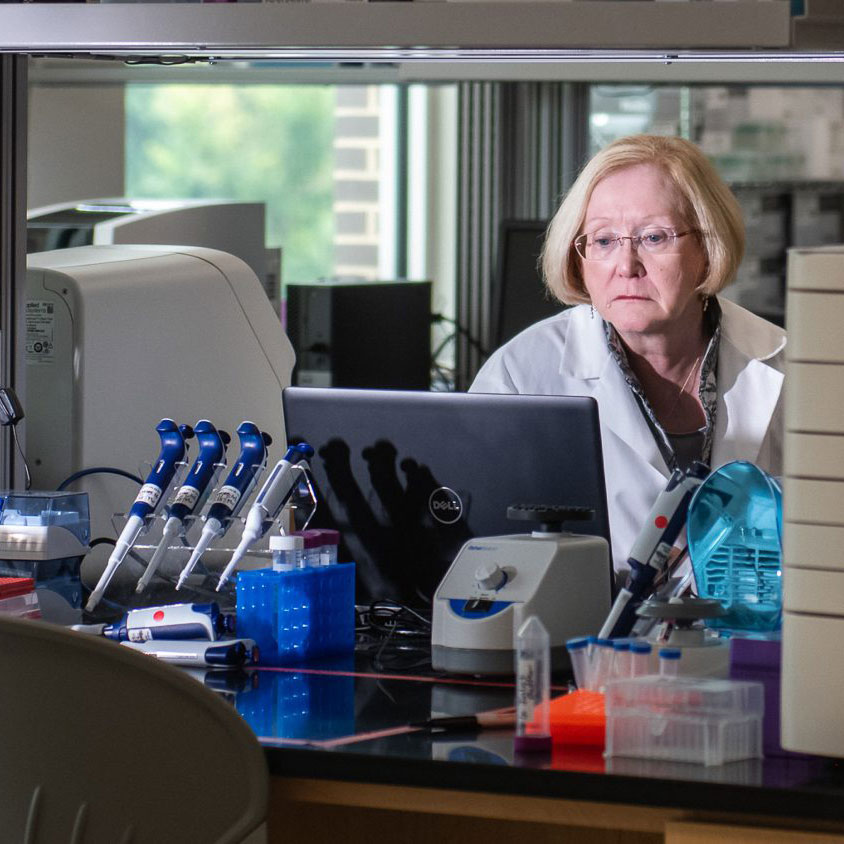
[298,615]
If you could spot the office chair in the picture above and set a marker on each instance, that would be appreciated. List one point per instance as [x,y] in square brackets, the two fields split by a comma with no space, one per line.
[99,743]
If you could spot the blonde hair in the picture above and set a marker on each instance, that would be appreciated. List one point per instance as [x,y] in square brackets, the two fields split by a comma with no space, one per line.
[710,208]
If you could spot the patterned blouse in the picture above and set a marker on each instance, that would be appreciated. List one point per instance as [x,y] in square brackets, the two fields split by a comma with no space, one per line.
[679,450]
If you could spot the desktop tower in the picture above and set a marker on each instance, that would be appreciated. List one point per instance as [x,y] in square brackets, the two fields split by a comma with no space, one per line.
[361,334]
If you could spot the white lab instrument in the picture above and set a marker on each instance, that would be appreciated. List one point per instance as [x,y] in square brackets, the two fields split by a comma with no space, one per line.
[121,336]
[813,519]
[44,536]
[562,578]
[234,227]
[680,625]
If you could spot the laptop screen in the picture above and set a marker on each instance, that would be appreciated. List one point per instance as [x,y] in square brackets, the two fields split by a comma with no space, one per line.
[408,477]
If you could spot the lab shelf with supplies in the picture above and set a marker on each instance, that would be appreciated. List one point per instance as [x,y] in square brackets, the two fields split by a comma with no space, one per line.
[392,29]
[343,756]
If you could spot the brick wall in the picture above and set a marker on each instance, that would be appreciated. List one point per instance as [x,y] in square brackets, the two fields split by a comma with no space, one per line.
[356,179]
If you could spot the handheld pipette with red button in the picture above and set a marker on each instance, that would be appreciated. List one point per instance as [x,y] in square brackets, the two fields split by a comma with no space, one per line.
[651,550]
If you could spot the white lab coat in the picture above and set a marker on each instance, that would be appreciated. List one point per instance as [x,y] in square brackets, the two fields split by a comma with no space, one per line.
[567,354]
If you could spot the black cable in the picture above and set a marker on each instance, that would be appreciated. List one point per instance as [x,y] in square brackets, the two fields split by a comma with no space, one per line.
[23,457]
[396,637]
[437,317]
[438,351]
[446,380]
[102,540]
[390,618]
[97,470]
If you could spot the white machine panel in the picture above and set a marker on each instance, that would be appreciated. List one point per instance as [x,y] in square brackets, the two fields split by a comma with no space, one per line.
[814,455]
[813,684]
[823,311]
[813,546]
[813,529]
[497,582]
[816,502]
[119,337]
[522,562]
[814,592]
[813,400]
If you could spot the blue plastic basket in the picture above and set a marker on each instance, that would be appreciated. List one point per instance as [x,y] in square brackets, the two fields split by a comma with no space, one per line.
[298,615]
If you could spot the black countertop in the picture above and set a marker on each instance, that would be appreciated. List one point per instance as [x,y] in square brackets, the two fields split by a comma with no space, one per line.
[346,721]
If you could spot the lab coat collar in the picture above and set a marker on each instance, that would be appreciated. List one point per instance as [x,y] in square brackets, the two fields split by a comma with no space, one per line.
[749,388]
[751,336]
[588,358]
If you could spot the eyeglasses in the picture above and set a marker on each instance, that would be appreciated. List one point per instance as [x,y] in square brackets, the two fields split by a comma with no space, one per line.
[600,245]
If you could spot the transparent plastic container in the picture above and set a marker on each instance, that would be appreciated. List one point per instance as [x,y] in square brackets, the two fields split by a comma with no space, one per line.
[734,533]
[18,597]
[35,508]
[684,719]
[288,552]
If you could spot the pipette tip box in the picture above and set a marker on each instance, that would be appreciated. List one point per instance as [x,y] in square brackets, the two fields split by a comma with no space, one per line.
[684,719]
[298,615]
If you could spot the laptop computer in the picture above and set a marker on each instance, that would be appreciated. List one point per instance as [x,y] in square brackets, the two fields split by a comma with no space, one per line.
[407,477]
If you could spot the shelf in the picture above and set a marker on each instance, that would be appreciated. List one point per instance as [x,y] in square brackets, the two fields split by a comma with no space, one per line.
[600,30]
[82,72]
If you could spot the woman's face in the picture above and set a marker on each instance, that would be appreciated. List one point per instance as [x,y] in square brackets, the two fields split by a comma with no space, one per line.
[639,292]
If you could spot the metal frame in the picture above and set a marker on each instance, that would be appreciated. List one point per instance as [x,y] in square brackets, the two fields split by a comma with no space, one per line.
[13,98]
[388,30]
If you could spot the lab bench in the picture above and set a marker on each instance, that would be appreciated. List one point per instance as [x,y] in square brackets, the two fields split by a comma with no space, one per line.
[344,762]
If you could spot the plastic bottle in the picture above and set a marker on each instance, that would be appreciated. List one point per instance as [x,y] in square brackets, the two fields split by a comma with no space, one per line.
[669,662]
[640,659]
[313,544]
[533,688]
[620,660]
[578,650]
[328,552]
[288,552]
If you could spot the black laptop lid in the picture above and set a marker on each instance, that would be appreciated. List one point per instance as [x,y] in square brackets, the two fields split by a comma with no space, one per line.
[408,477]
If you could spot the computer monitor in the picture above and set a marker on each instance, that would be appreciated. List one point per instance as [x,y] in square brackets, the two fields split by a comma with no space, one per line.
[521,297]
[407,477]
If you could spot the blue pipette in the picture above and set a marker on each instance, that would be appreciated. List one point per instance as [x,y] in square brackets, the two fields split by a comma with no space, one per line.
[652,548]
[273,495]
[148,500]
[212,449]
[227,501]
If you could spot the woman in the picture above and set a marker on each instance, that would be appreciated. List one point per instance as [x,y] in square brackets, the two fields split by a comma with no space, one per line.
[643,242]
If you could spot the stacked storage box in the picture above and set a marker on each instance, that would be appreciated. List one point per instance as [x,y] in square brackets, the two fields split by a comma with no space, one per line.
[813,504]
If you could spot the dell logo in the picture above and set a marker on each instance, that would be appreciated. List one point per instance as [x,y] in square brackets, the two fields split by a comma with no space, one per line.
[445,505]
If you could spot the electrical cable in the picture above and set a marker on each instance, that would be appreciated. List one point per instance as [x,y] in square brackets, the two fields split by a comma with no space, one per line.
[102,540]
[23,457]
[96,470]
[460,329]
[396,636]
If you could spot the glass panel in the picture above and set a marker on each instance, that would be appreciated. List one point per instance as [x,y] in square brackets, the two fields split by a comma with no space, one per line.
[780,149]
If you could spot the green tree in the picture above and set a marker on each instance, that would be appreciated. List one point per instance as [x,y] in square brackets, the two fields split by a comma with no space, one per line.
[267,143]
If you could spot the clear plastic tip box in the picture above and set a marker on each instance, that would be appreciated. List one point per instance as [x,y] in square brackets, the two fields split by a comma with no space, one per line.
[684,719]
[298,615]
